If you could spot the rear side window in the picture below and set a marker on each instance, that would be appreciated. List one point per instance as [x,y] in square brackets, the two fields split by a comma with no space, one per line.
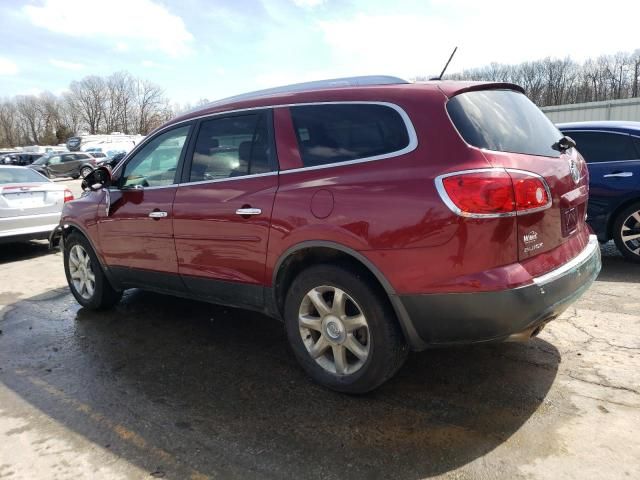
[341,132]
[598,147]
[503,121]
[231,147]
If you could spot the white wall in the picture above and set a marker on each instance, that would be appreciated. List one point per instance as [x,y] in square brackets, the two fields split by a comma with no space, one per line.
[627,109]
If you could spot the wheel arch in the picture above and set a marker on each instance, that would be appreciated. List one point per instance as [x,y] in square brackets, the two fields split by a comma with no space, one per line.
[304,254]
[614,215]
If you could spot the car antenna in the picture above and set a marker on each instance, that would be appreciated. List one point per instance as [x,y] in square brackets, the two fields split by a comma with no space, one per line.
[439,77]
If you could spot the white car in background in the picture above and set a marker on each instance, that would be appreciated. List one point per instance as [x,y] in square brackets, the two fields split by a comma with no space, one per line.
[30,204]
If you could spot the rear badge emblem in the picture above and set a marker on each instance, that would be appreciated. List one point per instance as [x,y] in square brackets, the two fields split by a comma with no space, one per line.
[575,171]
[532,236]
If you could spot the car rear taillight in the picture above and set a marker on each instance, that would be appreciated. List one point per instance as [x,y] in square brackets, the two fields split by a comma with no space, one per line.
[68,196]
[493,192]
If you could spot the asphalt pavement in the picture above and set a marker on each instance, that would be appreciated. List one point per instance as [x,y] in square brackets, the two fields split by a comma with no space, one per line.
[162,387]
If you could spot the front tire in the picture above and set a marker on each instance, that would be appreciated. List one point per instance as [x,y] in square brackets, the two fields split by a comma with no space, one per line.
[85,276]
[342,330]
[85,171]
[626,232]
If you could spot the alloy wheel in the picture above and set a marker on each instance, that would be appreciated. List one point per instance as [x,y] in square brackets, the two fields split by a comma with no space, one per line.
[334,330]
[630,233]
[81,272]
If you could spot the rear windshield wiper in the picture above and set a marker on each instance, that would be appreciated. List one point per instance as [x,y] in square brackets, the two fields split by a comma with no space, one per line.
[564,144]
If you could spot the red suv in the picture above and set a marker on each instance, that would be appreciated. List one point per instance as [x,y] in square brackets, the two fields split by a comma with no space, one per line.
[372,215]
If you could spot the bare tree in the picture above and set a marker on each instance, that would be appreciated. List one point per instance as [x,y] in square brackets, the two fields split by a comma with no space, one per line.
[89,97]
[8,125]
[150,105]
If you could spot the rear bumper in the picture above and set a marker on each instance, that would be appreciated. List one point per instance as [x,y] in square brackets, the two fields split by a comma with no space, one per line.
[27,227]
[457,318]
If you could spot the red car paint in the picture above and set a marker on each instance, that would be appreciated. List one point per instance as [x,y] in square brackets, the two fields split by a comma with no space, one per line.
[388,211]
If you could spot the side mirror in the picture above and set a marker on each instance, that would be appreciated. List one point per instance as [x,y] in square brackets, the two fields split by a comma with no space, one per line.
[564,144]
[99,178]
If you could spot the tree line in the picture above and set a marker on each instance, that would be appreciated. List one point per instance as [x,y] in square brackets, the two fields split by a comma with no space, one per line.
[560,81]
[123,103]
[116,103]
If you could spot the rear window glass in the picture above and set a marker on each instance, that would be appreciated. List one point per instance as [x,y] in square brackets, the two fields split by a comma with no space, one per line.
[342,132]
[603,147]
[503,121]
[20,175]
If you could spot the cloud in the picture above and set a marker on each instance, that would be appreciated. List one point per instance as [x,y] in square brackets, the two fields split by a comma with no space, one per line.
[67,65]
[308,3]
[141,22]
[489,31]
[148,64]
[8,67]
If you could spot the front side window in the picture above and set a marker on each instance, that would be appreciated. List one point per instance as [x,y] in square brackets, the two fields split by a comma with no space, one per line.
[598,147]
[55,160]
[156,163]
[231,147]
[503,121]
[333,133]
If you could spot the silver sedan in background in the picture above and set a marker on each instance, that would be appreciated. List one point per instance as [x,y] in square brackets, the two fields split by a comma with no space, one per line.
[30,204]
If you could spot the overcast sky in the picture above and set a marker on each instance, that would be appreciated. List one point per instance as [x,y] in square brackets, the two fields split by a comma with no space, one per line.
[212,49]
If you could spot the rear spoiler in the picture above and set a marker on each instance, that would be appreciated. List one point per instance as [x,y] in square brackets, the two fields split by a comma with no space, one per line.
[476,86]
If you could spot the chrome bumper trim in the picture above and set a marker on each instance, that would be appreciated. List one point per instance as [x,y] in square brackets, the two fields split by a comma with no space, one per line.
[592,248]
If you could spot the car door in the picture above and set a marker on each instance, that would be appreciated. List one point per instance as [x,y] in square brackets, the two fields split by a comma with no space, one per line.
[135,223]
[614,171]
[222,210]
[55,166]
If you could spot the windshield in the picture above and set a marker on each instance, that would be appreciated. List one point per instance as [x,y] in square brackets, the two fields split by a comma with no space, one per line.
[503,121]
[20,175]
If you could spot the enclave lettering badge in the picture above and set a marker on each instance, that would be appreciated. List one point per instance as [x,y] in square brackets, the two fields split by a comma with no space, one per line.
[529,241]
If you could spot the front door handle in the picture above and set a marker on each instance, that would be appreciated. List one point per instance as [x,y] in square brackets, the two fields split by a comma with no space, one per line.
[158,214]
[619,174]
[248,211]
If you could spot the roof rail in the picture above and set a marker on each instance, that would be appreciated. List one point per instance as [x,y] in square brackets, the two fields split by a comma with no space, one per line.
[315,85]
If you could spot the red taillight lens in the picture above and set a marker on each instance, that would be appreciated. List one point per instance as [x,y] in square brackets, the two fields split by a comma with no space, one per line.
[481,193]
[68,196]
[531,192]
[494,192]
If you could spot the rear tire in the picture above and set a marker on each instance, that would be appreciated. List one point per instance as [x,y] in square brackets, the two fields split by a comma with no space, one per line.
[625,228]
[87,281]
[342,329]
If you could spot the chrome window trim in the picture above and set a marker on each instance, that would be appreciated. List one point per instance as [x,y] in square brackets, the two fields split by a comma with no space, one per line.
[228,179]
[454,208]
[411,131]
[132,189]
[593,247]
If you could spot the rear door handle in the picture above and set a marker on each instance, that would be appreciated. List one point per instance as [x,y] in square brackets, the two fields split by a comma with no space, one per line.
[158,214]
[248,211]
[619,174]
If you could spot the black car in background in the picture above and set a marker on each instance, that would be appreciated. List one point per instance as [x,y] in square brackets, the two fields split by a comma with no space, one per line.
[21,158]
[73,164]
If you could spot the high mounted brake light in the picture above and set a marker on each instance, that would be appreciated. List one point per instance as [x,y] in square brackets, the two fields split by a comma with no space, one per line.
[493,192]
